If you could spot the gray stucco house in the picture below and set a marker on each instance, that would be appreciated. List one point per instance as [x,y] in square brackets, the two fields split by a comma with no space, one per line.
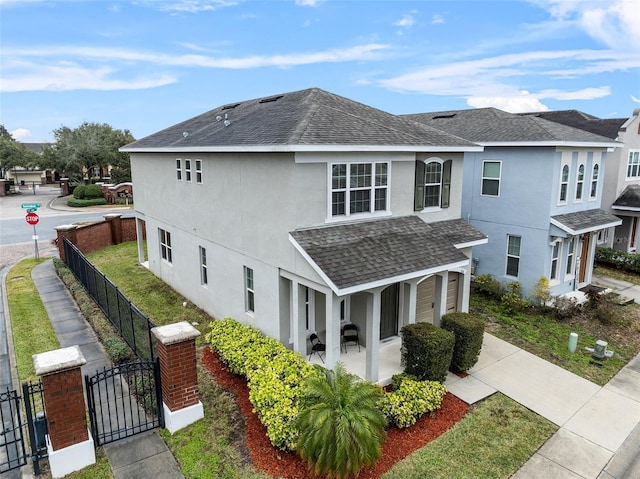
[535,191]
[303,211]
[621,191]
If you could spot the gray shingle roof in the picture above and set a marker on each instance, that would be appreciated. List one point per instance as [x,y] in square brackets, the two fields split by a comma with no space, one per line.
[359,254]
[306,117]
[629,198]
[585,221]
[608,127]
[488,125]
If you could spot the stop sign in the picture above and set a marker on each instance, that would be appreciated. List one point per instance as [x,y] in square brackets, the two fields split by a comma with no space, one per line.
[32,218]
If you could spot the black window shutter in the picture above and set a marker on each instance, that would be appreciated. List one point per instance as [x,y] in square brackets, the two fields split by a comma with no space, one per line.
[446,184]
[418,200]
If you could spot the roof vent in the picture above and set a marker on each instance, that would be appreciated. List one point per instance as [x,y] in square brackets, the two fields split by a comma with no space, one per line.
[230,107]
[270,99]
[185,134]
[440,117]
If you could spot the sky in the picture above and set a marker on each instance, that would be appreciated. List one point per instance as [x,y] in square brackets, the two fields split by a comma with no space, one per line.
[145,65]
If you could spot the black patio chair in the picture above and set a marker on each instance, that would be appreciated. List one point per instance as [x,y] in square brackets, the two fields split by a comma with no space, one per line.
[317,347]
[350,335]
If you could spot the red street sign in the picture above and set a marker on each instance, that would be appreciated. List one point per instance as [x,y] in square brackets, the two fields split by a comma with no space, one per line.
[32,218]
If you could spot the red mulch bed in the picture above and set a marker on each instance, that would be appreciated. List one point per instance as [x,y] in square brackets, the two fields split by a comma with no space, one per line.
[399,444]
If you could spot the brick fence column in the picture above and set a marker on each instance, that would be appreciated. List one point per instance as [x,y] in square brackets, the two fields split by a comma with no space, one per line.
[176,347]
[69,232]
[69,444]
[115,223]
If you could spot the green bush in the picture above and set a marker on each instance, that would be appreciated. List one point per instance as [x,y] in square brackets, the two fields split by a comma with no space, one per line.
[512,300]
[618,259]
[93,191]
[488,286]
[78,192]
[541,293]
[275,376]
[410,399]
[468,331]
[117,349]
[81,203]
[426,351]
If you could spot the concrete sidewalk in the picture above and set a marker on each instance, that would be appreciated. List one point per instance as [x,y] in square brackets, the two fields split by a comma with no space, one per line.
[599,436]
[144,456]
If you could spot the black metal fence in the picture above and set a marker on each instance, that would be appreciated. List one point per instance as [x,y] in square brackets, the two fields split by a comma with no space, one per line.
[14,429]
[134,327]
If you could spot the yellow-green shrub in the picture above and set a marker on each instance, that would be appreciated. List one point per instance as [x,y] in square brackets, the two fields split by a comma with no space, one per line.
[410,400]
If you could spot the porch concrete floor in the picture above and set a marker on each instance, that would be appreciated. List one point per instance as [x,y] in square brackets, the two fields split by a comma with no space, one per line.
[355,361]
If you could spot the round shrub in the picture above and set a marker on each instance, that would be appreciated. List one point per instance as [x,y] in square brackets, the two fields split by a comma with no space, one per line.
[468,330]
[410,400]
[78,192]
[93,191]
[427,351]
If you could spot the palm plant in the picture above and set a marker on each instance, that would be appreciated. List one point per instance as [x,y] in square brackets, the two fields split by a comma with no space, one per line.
[341,427]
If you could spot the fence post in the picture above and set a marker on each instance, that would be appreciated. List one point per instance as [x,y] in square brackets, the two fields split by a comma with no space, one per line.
[176,349]
[69,444]
[69,232]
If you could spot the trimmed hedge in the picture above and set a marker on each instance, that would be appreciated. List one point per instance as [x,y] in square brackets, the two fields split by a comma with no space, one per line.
[275,376]
[468,330]
[410,399]
[618,259]
[76,203]
[427,351]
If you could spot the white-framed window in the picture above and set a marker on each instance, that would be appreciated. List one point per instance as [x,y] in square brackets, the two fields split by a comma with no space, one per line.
[580,183]
[513,255]
[433,184]
[571,256]
[359,188]
[309,308]
[165,245]
[249,292]
[491,171]
[187,170]
[594,181]
[633,165]
[198,171]
[555,261]
[564,183]
[179,169]
[204,274]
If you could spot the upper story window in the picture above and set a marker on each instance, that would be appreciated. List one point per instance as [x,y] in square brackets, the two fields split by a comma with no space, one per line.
[491,171]
[179,169]
[594,181]
[580,182]
[513,255]
[198,171]
[633,165]
[187,170]
[359,188]
[564,183]
[165,245]
[433,184]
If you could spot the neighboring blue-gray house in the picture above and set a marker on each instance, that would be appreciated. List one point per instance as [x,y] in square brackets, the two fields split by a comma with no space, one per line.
[535,191]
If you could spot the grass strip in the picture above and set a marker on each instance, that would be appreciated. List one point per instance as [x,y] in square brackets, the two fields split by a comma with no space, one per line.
[30,324]
[493,441]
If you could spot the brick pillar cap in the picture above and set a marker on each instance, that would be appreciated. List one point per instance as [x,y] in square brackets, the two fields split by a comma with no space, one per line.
[65,227]
[58,360]
[175,333]
[111,216]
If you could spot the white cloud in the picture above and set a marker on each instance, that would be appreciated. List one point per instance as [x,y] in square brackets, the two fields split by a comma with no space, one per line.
[20,134]
[437,19]
[634,99]
[406,21]
[190,6]
[308,3]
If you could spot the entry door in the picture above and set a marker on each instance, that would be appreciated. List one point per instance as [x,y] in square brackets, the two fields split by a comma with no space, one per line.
[584,257]
[453,283]
[389,311]
[425,300]
[634,229]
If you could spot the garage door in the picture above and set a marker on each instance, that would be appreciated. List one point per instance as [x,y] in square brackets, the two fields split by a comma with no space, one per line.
[453,285]
[425,300]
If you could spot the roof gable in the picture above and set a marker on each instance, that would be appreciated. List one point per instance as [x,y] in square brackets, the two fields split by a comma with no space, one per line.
[609,127]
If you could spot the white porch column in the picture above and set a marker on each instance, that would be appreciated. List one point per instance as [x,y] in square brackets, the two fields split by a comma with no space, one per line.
[440,293]
[373,335]
[466,287]
[413,297]
[140,240]
[298,331]
[333,329]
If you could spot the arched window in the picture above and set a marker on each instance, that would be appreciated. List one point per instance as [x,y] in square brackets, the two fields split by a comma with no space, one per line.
[433,184]
[580,182]
[564,183]
[594,181]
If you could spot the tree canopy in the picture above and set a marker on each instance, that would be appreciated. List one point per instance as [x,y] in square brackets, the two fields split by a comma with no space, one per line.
[77,150]
[13,153]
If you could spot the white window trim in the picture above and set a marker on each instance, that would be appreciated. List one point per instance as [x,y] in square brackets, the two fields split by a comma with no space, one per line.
[348,215]
[579,182]
[204,268]
[198,171]
[179,169]
[507,256]
[166,249]
[571,254]
[556,280]
[565,183]
[249,291]
[311,304]
[482,178]
[187,170]
[441,162]
[596,181]
[628,164]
